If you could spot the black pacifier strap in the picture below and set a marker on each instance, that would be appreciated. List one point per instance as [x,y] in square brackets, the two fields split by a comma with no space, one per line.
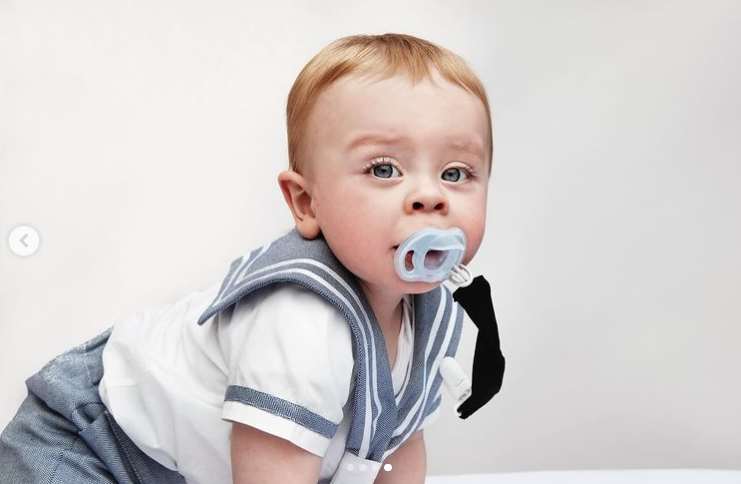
[488,362]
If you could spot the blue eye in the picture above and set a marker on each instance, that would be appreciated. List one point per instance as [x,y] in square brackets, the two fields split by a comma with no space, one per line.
[382,169]
[453,173]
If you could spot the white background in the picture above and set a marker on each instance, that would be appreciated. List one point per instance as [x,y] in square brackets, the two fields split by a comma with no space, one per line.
[143,141]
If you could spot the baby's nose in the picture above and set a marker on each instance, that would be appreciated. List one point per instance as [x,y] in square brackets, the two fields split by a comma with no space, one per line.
[439,206]
[429,202]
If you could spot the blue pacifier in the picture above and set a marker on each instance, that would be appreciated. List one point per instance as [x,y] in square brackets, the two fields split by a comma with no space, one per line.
[435,253]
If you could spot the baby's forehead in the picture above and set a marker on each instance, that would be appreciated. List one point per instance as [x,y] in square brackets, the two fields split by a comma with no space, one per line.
[380,103]
[357,92]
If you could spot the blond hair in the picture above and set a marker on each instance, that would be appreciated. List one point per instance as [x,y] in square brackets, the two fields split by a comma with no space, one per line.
[383,55]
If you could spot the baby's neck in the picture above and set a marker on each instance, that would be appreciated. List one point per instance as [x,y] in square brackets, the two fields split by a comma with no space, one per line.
[391,330]
[387,308]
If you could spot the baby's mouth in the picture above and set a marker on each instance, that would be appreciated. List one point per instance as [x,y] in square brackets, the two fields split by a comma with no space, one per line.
[408,260]
[433,259]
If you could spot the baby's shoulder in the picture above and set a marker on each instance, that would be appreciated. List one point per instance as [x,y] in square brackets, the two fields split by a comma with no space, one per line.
[290,319]
[290,298]
[292,307]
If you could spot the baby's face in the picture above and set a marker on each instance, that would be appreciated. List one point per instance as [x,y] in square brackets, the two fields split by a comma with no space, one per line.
[420,177]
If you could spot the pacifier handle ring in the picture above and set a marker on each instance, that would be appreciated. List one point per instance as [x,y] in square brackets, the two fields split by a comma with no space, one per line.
[460,275]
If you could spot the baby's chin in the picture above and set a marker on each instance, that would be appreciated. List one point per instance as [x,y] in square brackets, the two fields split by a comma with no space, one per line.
[400,286]
[418,287]
[395,284]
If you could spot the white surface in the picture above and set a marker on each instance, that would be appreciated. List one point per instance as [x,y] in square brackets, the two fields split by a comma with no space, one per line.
[647,476]
[143,141]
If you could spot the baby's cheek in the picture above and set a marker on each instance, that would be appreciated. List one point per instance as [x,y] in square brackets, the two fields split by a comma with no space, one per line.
[353,243]
[474,230]
[472,246]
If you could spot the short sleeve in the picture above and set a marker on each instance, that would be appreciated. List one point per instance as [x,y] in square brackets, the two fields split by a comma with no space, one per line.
[290,364]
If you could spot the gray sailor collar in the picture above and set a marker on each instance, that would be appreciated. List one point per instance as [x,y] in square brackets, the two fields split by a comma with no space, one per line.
[378,425]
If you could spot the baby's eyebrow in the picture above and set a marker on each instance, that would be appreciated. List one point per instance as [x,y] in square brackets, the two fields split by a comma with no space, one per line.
[466,145]
[377,138]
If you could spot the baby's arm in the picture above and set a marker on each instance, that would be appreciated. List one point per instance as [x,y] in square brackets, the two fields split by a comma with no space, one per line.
[262,458]
[408,463]
[289,350]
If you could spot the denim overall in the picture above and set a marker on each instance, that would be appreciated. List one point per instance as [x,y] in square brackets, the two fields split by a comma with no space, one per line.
[63,433]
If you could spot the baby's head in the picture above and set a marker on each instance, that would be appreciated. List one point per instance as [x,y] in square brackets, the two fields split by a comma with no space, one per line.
[387,134]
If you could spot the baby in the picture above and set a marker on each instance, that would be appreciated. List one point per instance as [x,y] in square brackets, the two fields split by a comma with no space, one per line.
[313,360]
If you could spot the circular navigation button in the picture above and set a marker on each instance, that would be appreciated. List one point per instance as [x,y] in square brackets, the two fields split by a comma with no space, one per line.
[24,240]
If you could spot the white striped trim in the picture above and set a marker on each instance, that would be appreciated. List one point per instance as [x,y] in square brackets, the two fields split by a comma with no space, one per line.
[241,269]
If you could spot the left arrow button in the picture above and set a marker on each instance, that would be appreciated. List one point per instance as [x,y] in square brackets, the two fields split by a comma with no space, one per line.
[24,240]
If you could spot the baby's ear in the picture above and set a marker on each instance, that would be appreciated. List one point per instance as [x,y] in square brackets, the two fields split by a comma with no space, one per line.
[294,188]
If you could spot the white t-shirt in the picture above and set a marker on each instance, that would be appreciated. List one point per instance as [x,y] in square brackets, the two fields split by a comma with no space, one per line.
[165,376]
